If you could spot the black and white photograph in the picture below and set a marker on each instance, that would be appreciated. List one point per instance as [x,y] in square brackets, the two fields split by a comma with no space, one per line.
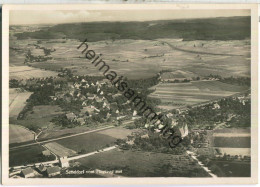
[137,92]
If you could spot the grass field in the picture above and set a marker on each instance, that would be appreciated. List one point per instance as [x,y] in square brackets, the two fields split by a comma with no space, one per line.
[144,164]
[27,155]
[17,101]
[18,134]
[183,94]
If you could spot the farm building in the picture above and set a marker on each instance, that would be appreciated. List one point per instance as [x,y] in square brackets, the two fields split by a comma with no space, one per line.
[64,162]
[53,171]
[28,172]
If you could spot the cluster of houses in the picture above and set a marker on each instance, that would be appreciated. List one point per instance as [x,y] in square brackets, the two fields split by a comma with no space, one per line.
[51,171]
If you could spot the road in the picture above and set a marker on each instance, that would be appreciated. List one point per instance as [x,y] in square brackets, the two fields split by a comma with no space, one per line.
[193,155]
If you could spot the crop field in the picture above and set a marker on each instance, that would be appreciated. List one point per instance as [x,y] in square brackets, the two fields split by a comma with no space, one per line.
[26,72]
[17,101]
[137,58]
[144,164]
[89,142]
[183,94]
[18,134]
[59,149]
[27,155]
[233,142]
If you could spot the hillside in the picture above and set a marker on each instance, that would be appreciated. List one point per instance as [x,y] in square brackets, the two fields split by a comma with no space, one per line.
[234,28]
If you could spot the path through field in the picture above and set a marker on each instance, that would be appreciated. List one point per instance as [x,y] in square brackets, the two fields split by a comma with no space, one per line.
[193,155]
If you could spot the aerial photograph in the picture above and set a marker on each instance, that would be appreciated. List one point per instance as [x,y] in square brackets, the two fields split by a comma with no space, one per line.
[129,93]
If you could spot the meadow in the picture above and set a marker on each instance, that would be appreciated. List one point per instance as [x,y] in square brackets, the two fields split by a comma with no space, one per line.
[39,117]
[144,164]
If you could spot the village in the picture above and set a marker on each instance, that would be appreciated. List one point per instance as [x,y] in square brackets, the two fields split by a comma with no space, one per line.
[89,100]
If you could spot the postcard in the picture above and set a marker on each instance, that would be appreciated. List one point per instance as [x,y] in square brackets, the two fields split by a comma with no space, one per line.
[130,94]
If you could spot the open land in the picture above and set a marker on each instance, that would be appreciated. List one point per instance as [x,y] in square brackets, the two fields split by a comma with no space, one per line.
[194,92]
[144,164]
[17,101]
[19,134]
[153,47]
[28,155]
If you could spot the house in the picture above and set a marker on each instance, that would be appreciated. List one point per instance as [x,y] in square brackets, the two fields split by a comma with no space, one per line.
[28,172]
[42,168]
[46,153]
[134,113]
[71,116]
[81,121]
[87,109]
[64,163]
[99,100]
[120,117]
[53,171]
[216,106]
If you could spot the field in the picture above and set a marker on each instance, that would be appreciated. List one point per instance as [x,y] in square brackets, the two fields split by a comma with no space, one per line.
[18,134]
[183,94]
[95,141]
[17,101]
[118,132]
[127,56]
[26,72]
[59,150]
[232,169]
[89,142]
[40,116]
[235,151]
[144,164]
[27,155]
[233,142]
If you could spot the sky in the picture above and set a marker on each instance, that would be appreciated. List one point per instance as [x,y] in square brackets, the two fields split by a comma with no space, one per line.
[24,17]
